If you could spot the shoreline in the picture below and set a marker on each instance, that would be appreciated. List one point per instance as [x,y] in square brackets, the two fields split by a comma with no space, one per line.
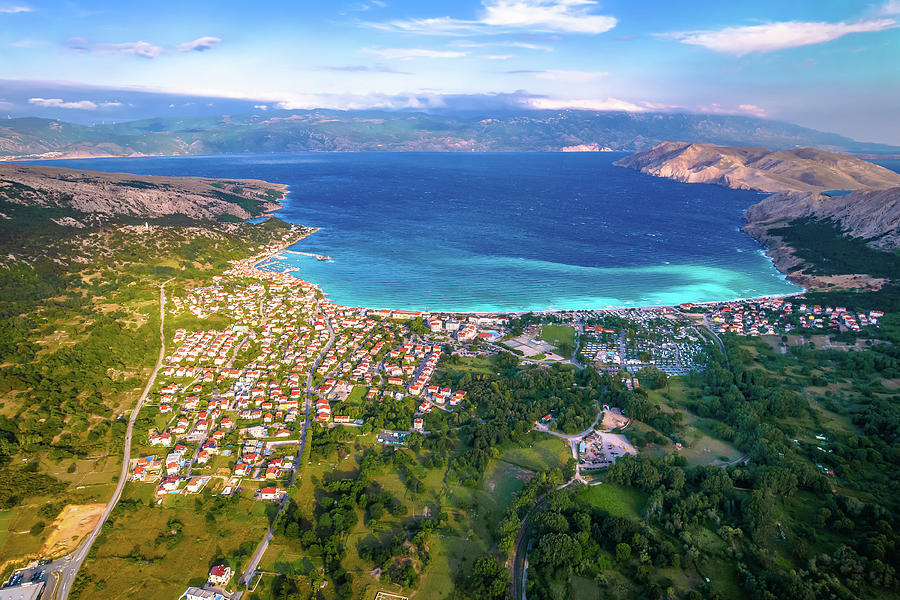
[271,254]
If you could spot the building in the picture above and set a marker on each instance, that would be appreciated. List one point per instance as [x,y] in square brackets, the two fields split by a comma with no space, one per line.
[195,593]
[25,591]
[270,493]
[220,575]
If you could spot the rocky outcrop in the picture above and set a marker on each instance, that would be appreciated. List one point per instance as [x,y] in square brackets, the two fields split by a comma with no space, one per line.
[872,215]
[100,193]
[754,168]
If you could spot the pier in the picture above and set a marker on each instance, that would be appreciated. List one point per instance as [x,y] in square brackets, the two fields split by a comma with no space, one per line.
[316,256]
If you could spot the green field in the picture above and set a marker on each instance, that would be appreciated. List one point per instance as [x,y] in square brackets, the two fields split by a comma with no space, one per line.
[135,554]
[560,336]
[5,518]
[470,364]
[539,452]
[617,501]
[357,396]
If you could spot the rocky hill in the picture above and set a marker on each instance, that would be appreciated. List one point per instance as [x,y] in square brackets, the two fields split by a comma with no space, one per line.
[872,215]
[72,194]
[755,168]
[797,179]
[376,131]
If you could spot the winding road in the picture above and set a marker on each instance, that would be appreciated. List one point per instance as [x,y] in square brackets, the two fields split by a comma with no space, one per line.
[67,568]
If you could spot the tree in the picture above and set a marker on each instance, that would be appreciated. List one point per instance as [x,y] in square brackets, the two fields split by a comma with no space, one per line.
[490,580]
[623,552]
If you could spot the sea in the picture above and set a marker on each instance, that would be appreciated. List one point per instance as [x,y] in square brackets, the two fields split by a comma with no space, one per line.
[498,232]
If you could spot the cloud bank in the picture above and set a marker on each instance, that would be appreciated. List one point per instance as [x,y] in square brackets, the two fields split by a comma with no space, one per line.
[503,16]
[771,37]
[76,104]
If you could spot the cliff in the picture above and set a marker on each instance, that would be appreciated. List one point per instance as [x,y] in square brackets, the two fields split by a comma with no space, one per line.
[796,179]
[872,215]
[80,192]
[754,168]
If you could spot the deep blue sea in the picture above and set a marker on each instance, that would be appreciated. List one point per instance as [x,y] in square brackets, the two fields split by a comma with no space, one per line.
[500,232]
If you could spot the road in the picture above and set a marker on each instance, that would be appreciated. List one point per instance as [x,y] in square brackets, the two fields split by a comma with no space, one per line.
[520,549]
[67,568]
[707,330]
[578,326]
[250,571]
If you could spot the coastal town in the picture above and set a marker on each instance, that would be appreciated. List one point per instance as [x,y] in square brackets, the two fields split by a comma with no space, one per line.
[232,404]
[257,356]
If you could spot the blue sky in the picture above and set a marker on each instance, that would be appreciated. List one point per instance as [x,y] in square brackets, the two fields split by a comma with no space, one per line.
[828,64]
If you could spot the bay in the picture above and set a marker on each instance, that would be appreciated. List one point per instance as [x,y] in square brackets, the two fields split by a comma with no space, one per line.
[499,232]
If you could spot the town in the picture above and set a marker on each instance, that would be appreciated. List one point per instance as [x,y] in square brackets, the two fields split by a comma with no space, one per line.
[231,407]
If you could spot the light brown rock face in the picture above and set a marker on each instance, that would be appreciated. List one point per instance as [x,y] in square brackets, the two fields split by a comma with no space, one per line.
[796,179]
[142,196]
[869,214]
[754,168]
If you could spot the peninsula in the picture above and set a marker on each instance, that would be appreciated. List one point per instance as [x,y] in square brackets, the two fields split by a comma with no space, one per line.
[755,168]
[97,194]
[857,199]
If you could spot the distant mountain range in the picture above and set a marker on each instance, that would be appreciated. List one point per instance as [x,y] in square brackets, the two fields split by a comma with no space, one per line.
[363,131]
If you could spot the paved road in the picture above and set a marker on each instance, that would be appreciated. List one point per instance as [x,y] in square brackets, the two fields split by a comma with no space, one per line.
[520,549]
[67,568]
[250,571]
[578,328]
[708,331]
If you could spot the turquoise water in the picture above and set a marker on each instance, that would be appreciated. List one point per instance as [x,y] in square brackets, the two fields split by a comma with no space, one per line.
[500,232]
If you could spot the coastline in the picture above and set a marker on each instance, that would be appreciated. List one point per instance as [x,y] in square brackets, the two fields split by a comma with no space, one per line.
[271,253]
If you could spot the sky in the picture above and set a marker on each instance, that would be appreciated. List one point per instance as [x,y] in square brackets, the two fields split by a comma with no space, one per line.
[833,65]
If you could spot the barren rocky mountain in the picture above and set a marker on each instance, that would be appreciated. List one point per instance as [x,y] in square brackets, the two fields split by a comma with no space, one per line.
[99,193]
[754,168]
[868,214]
[797,179]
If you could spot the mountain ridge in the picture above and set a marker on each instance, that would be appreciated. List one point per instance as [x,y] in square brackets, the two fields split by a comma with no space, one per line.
[758,168]
[372,130]
[797,179]
[81,195]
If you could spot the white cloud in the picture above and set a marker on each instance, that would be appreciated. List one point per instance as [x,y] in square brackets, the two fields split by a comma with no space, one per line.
[590,104]
[525,45]
[752,109]
[500,16]
[14,9]
[139,48]
[741,109]
[199,45]
[410,53]
[499,56]
[27,43]
[776,36]
[77,104]
[261,106]
[891,8]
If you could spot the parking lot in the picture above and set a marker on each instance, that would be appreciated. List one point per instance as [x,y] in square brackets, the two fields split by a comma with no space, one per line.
[600,450]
